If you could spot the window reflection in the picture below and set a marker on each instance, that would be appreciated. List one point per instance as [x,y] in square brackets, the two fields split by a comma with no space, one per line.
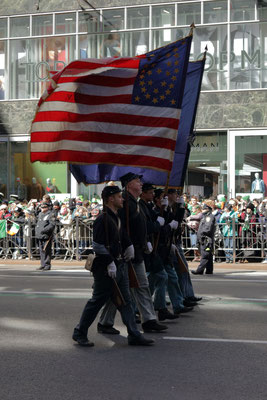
[113,19]
[245,56]
[215,11]
[42,25]
[19,26]
[3,27]
[31,61]
[113,44]
[137,17]
[89,21]
[163,15]
[2,69]
[188,13]
[65,23]
[242,10]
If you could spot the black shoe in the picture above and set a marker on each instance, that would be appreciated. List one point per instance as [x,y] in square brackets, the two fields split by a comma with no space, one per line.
[109,330]
[196,272]
[166,314]
[140,341]
[39,269]
[209,273]
[153,326]
[46,268]
[188,303]
[82,341]
[183,310]
[194,298]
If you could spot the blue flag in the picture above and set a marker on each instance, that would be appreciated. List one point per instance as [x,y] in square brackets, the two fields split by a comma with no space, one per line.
[104,172]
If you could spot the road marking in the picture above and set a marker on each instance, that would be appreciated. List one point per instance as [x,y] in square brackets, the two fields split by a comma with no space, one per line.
[61,295]
[230,279]
[188,339]
[248,273]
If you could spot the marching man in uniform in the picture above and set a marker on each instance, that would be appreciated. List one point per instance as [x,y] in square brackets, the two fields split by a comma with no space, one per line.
[113,249]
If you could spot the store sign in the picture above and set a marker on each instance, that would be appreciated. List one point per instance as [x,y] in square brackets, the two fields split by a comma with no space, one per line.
[205,144]
[243,60]
[36,72]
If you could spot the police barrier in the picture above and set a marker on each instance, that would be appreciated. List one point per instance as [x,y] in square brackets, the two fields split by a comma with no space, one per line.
[233,241]
[73,240]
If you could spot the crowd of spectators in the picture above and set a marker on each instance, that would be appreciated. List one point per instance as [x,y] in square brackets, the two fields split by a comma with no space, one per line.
[241,223]
[24,214]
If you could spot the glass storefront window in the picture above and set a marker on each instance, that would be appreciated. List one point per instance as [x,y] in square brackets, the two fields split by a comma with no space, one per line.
[42,25]
[215,11]
[32,59]
[32,180]
[242,10]
[137,17]
[3,27]
[163,15]
[19,26]
[113,19]
[245,67]
[262,11]
[188,13]
[4,167]
[3,68]
[113,44]
[251,165]
[65,23]
[216,67]
[207,168]
[89,22]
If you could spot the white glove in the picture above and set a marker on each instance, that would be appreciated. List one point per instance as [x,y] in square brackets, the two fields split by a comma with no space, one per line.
[180,200]
[161,221]
[173,224]
[164,202]
[112,269]
[129,253]
[149,248]
[173,249]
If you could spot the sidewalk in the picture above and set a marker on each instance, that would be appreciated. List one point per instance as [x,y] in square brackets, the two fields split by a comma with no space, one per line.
[79,265]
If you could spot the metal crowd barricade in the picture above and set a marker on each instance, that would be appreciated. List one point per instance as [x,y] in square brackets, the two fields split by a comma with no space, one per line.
[70,241]
[249,242]
[74,241]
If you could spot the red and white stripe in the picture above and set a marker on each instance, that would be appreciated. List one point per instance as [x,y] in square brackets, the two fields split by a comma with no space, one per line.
[87,116]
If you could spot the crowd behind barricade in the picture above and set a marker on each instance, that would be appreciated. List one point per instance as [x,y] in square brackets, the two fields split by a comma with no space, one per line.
[240,233]
[72,236]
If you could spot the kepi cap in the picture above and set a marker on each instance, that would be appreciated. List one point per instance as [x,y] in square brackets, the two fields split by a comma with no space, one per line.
[109,191]
[147,186]
[130,176]
[171,190]
[158,193]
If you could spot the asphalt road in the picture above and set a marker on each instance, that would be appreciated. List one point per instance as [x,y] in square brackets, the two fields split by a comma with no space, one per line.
[217,352]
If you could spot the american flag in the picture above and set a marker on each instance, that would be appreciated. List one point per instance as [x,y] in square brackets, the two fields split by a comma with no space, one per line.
[122,111]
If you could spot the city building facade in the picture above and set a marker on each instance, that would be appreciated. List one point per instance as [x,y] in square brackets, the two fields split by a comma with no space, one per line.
[37,37]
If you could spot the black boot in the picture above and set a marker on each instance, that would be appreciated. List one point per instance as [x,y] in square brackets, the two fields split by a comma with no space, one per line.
[108,330]
[140,341]
[164,313]
[153,326]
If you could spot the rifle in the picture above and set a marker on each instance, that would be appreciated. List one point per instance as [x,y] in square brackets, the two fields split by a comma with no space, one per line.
[47,242]
[117,297]
[133,280]
[180,261]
